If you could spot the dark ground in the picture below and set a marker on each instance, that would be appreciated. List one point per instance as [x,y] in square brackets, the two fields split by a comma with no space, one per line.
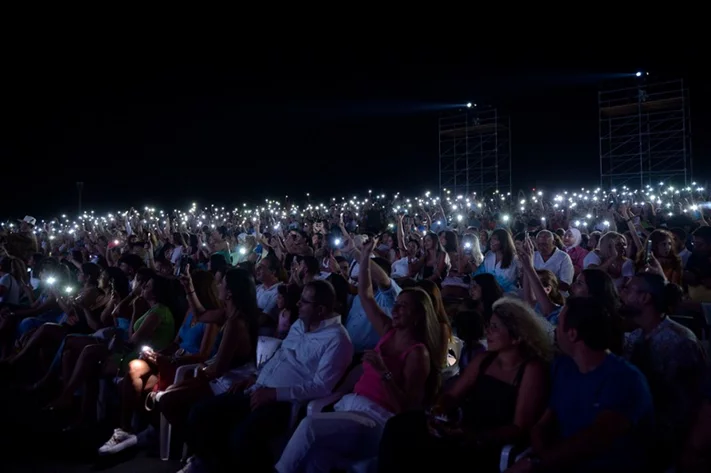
[32,441]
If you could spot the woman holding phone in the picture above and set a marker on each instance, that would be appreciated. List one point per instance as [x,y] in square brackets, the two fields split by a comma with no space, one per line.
[194,343]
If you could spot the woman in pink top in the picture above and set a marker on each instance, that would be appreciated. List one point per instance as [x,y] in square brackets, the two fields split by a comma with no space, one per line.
[398,375]
[571,243]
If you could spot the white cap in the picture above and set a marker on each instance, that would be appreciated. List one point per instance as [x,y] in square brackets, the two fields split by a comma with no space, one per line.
[29,220]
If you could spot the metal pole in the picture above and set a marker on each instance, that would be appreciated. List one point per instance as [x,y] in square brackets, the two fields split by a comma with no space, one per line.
[641,139]
[80,188]
[439,147]
[599,127]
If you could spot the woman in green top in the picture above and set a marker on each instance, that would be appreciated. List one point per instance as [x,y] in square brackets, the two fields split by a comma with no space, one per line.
[155,329]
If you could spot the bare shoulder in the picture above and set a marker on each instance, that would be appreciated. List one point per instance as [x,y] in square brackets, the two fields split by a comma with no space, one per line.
[418,355]
[535,370]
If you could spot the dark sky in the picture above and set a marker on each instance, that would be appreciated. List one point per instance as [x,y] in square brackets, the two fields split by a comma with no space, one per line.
[152,125]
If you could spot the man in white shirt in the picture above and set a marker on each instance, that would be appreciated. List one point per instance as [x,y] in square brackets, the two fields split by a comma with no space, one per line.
[551,258]
[233,431]
[267,274]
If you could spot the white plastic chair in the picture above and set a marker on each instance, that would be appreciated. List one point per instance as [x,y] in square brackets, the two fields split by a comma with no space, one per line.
[165,427]
[266,348]
[455,345]
[367,465]
[510,455]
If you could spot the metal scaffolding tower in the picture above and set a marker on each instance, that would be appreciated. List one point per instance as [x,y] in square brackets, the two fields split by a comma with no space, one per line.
[645,134]
[474,152]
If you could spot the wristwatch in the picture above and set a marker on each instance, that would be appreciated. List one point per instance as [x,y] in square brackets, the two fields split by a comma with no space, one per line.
[387,376]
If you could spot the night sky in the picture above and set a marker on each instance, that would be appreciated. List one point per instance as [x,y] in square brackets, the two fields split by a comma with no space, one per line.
[163,127]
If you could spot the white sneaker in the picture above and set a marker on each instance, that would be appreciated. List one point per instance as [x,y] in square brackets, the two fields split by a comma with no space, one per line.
[119,441]
[193,465]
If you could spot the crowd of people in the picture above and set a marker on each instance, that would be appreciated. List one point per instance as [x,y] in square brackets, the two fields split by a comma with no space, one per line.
[377,334]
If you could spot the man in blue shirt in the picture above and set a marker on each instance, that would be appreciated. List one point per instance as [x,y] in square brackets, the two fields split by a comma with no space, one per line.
[361,331]
[697,454]
[600,405]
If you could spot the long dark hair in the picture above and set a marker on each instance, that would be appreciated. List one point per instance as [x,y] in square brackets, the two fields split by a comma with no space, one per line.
[165,294]
[602,288]
[507,246]
[240,284]
[491,292]
[119,281]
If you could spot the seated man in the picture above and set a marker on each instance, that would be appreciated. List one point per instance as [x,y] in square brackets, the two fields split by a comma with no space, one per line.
[232,432]
[600,404]
[697,454]
[670,357]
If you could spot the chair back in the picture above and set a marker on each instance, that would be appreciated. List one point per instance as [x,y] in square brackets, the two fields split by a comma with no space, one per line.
[266,348]
[454,351]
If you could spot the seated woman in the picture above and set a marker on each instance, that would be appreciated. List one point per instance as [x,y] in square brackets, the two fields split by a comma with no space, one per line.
[501,260]
[154,328]
[237,347]
[435,263]
[611,257]
[540,287]
[469,325]
[401,373]
[116,317]
[77,317]
[45,308]
[661,244]
[194,343]
[484,291]
[43,340]
[572,240]
[456,284]
[15,292]
[445,326]
[287,299]
[492,413]
[596,283]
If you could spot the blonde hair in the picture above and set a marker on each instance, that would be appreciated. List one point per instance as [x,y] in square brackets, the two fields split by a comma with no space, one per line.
[606,241]
[429,332]
[18,269]
[435,294]
[524,324]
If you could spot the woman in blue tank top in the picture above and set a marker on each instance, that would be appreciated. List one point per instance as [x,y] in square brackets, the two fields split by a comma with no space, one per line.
[194,343]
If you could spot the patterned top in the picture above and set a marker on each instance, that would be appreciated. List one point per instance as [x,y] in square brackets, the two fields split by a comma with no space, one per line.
[673,361]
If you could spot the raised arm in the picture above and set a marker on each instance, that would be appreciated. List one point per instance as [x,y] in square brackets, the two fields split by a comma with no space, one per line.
[380,321]
[215,316]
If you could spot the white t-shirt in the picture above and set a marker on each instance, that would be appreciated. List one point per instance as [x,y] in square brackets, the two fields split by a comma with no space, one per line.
[559,264]
[176,254]
[627,268]
[400,268]
[12,290]
[267,300]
